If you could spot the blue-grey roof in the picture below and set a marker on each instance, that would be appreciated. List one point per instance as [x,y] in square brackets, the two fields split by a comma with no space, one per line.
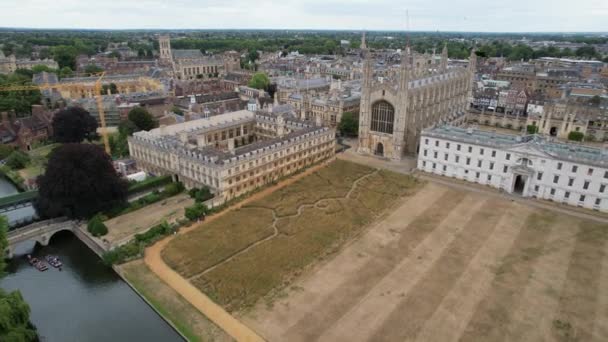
[187,54]
[559,150]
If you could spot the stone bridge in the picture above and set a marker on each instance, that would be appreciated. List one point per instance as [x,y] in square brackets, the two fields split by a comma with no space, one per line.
[40,232]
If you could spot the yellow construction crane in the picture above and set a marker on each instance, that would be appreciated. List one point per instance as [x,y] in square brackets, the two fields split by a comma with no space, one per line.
[98,98]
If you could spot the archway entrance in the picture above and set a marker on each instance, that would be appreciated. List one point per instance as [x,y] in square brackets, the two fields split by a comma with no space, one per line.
[553,131]
[380,150]
[520,184]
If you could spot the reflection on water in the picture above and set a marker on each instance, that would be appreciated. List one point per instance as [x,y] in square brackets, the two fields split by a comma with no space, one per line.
[17,215]
[86,301]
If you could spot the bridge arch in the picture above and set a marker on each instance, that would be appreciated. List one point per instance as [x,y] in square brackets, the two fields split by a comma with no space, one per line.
[41,233]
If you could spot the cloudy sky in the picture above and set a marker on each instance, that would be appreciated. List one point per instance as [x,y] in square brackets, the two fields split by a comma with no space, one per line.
[442,15]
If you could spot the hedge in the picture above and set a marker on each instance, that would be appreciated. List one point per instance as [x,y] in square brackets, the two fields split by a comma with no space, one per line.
[96,226]
[135,248]
[153,197]
[149,183]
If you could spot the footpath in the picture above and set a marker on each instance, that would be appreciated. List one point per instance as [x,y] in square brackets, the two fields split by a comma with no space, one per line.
[214,312]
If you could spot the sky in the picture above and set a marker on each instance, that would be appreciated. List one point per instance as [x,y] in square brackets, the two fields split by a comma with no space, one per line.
[424,15]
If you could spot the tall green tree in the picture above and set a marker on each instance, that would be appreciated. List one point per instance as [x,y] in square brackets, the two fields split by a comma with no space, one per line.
[20,101]
[142,119]
[65,56]
[15,325]
[259,81]
[349,125]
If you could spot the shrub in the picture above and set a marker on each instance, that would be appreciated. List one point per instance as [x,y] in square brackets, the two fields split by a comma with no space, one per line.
[532,129]
[173,189]
[154,233]
[17,160]
[200,195]
[149,183]
[135,248]
[196,211]
[576,136]
[96,226]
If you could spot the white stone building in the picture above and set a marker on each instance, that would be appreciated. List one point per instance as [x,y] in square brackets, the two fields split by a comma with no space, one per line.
[528,165]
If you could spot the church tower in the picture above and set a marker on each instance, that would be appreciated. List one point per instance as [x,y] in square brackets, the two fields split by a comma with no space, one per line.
[444,58]
[471,69]
[403,124]
[366,90]
[164,45]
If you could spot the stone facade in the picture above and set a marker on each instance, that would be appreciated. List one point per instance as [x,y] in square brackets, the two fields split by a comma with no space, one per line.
[421,93]
[84,87]
[192,64]
[233,153]
[10,64]
[528,165]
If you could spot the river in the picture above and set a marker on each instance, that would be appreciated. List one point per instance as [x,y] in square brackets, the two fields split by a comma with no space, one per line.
[85,301]
[18,215]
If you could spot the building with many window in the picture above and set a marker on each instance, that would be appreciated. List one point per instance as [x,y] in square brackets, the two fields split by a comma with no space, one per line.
[423,92]
[528,165]
[232,153]
[10,64]
[191,64]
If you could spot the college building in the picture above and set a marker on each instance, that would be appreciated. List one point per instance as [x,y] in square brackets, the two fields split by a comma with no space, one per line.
[528,165]
[232,153]
[423,92]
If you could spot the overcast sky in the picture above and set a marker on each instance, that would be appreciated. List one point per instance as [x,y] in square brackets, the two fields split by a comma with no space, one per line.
[432,15]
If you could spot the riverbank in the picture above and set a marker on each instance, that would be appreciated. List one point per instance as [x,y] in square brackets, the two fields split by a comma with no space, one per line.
[174,309]
[61,301]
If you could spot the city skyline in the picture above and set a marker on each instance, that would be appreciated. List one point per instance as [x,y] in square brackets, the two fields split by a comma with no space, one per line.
[383,15]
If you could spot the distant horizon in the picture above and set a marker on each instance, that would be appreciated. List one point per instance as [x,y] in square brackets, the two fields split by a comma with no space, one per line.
[518,16]
[25,28]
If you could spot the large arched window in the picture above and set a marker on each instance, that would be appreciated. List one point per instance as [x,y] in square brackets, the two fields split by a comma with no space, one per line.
[383,116]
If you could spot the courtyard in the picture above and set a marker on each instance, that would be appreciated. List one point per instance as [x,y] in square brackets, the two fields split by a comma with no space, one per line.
[453,265]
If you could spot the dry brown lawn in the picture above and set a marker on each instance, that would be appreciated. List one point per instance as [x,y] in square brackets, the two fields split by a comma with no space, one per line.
[451,265]
[313,218]
[192,253]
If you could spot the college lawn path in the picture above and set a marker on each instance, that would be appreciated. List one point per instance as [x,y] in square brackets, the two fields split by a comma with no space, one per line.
[199,300]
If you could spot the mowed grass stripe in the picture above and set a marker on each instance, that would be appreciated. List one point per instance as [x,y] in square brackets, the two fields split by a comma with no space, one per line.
[359,323]
[451,317]
[419,304]
[493,314]
[314,291]
[532,316]
[341,300]
[578,300]
[600,327]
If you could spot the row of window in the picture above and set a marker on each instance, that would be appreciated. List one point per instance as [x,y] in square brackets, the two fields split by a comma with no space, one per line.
[467,160]
[567,194]
[574,168]
[586,183]
[469,149]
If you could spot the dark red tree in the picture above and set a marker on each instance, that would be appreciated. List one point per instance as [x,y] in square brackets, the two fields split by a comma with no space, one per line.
[73,125]
[79,182]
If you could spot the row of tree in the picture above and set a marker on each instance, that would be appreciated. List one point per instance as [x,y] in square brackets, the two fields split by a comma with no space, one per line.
[15,322]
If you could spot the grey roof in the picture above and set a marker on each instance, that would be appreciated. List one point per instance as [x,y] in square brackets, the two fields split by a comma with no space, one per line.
[187,54]
[559,150]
